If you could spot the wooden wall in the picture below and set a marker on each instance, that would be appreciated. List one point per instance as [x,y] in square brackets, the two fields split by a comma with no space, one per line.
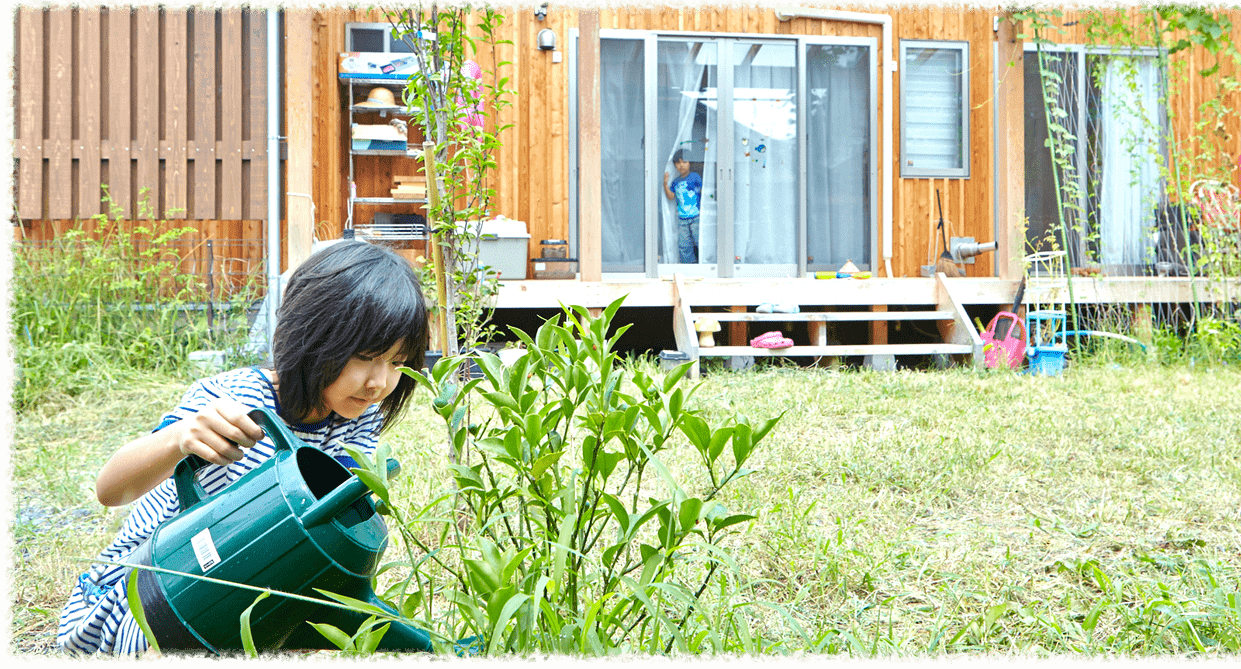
[532,175]
[533,165]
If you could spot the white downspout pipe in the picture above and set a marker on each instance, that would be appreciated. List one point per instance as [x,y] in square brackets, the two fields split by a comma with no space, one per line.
[889,70]
[273,172]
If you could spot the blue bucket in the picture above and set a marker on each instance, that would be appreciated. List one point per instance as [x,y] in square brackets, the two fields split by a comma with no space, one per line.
[1046,360]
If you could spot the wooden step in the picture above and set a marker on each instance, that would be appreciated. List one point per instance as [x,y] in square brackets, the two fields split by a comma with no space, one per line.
[826,316]
[835,350]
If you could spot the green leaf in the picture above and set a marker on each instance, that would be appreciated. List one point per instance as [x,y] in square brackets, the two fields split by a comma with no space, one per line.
[135,607]
[718,439]
[371,638]
[377,485]
[729,521]
[618,511]
[766,427]
[698,433]
[338,638]
[676,374]
[409,605]
[510,608]
[355,604]
[742,443]
[544,461]
[247,636]
[675,402]
[688,513]
[500,399]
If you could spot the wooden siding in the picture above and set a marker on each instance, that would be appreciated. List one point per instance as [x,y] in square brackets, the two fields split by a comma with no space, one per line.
[532,180]
[55,94]
[143,101]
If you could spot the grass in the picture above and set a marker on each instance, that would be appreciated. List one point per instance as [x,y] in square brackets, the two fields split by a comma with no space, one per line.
[900,514]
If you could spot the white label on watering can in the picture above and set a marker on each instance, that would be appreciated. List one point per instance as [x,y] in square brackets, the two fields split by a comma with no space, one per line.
[204,550]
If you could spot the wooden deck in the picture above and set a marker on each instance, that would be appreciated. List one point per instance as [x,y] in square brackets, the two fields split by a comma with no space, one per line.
[858,292]
[876,302]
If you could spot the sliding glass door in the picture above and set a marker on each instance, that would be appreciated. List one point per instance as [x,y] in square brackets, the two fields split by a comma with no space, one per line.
[1108,122]
[760,160]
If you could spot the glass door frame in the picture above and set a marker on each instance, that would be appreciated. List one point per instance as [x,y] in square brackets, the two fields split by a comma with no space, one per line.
[725,216]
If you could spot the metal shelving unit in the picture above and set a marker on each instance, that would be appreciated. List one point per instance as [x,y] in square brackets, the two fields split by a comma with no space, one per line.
[380,231]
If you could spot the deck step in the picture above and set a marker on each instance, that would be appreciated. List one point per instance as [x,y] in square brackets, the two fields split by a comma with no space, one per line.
[835,350]
[826,316]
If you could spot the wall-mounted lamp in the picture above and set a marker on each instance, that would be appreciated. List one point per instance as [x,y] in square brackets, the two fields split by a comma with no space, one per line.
[547,39]
[540,12]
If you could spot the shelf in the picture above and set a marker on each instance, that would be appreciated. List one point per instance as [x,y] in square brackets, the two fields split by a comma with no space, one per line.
[392,232]
[388,200]
[411,153]
[394,80]
[396,109]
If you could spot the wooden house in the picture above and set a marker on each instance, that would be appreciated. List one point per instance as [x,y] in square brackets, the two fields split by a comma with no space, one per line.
[823,136]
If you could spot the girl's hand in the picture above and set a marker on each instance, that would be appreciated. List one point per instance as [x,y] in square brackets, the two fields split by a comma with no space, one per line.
[219,432]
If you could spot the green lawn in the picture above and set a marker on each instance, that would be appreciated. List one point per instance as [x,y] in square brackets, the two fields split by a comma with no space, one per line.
[905,513]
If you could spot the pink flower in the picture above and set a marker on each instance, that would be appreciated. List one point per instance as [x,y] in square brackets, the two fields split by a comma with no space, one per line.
[472,116]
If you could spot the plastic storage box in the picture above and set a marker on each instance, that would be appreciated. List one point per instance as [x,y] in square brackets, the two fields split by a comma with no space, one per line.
[504,246]
[553,268]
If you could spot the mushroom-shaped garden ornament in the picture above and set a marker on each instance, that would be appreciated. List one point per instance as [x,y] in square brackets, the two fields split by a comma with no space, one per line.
[705,328]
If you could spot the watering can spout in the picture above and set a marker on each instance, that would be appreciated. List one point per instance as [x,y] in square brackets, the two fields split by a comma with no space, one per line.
[334,502]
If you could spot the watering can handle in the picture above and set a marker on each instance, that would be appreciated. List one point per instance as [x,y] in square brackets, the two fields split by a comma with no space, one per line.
[191,492]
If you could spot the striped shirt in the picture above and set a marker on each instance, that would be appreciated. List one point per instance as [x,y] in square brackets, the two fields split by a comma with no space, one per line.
[96,617]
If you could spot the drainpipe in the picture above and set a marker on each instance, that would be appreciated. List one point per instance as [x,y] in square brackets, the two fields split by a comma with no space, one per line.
[273,172]
[889,69]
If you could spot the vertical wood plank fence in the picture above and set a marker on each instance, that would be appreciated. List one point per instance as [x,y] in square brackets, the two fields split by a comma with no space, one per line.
[164,112]
[165,108]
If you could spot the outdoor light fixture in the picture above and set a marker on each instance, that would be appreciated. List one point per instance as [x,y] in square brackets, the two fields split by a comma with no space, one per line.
[547,39]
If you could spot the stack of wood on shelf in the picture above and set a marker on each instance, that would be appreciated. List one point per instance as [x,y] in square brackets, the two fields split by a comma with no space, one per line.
[410,187]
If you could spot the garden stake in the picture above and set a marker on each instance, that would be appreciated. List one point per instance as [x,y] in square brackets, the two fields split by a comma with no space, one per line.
[448,346]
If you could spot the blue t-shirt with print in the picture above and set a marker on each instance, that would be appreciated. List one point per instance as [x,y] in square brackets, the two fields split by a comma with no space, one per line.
[688,191]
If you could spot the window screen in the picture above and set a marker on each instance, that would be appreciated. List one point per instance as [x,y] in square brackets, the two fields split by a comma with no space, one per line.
[934,109]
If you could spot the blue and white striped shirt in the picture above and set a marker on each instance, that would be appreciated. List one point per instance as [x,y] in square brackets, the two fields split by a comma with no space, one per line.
[96,618]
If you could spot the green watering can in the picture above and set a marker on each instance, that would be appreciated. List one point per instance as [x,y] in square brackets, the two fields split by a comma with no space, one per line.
[300,521]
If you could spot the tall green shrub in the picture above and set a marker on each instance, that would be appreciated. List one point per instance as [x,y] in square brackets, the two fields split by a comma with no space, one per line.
[565,531]
[87,307]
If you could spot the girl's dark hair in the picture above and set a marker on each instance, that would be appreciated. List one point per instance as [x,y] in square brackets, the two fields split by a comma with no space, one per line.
[352,297]
[678,155]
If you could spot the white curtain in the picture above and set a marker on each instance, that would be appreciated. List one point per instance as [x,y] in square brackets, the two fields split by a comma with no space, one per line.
[765,154]
[838,139]
[1130,180]
[686,62]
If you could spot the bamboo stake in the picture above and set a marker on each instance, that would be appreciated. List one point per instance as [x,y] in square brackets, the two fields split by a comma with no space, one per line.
[448,345]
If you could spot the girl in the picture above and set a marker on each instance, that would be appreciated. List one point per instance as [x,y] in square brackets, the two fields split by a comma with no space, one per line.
[352,314]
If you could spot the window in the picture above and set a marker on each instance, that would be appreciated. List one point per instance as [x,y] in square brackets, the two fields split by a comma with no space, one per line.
[935,95]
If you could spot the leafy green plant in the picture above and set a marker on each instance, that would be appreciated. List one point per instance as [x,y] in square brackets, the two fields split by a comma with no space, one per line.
[565,530]
[95,303]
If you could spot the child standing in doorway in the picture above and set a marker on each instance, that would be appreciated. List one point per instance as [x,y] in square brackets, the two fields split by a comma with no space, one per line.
[686,190]
[352,315]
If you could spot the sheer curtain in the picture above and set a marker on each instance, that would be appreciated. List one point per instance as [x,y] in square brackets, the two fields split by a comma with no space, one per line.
[838,138]
[1130,180]
[685,64]
[621,151]
[765,154]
